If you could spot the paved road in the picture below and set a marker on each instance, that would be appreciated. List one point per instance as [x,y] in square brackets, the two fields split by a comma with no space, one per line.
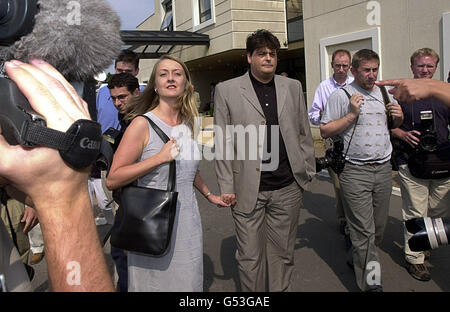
[319,252]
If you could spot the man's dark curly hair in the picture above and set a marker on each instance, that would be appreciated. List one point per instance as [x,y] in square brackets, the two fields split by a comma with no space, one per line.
[128,56]
[262,39]
[124,80]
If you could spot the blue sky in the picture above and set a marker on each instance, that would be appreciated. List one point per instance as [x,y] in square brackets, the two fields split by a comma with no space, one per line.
[132,12]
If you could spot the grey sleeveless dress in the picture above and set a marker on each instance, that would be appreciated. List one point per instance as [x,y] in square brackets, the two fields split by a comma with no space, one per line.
[181,269]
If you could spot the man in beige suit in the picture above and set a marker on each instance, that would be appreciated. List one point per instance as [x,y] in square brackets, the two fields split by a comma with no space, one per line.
[264,160]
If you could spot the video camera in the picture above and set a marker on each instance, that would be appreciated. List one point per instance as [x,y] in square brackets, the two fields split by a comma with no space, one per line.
[428,233]
[333,157]
[80,144]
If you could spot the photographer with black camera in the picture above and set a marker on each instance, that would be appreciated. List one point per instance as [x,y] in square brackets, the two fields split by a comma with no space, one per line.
[340,62]
[359,115]
[423,157]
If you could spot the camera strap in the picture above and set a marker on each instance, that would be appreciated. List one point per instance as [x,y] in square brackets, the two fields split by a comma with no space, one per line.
[354,128]
[386,102]
[79,146]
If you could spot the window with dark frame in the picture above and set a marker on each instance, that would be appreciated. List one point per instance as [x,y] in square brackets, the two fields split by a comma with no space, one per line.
[294,20]
[204,9]
[167,23]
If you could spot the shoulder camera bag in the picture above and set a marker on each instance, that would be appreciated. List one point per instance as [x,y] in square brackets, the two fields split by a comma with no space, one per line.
[145,218]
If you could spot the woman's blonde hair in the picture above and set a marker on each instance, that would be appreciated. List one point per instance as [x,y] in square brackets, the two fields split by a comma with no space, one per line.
[149,99]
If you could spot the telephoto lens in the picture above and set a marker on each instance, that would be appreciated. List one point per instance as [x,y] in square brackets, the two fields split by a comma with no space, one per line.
[428,233]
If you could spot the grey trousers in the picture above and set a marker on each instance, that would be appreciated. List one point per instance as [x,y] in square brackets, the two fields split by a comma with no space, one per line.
[367,191]
[266,240]
[337,193]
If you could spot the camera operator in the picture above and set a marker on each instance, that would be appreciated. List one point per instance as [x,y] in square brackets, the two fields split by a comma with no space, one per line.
[75,259]
[366,181]
[424,138]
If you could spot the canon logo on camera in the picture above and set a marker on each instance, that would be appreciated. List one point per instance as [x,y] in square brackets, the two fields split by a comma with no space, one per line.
[86,143]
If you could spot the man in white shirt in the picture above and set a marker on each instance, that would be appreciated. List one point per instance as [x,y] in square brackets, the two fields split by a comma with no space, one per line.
[341,60]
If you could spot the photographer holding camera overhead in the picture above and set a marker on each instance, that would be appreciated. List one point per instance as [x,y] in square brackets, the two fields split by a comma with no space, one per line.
[358,113]
[423,157]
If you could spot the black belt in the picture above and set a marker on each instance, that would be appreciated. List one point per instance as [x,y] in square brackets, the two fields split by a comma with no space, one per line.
[371,163]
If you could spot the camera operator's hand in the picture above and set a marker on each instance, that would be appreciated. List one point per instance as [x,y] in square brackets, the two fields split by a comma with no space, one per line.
[54,98]
[59,193]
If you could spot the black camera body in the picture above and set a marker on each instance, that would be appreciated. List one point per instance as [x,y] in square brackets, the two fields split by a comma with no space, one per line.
[334,158]
[428,136]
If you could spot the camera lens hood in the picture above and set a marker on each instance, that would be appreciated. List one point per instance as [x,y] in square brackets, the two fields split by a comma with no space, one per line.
[16,19]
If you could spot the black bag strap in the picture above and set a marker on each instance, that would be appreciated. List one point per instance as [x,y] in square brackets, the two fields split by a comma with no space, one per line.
[172,165]
[386,101]
[13,232]
[354,128]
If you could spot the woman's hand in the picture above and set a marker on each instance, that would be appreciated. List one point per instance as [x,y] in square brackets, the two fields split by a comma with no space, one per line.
[217,200]
[169,151]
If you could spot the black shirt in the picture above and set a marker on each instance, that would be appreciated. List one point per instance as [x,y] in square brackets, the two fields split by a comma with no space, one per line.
[282,176]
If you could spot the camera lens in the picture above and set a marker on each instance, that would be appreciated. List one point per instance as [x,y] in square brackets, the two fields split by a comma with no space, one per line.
[4,8]
[428,142]
[428,233]
[16,19]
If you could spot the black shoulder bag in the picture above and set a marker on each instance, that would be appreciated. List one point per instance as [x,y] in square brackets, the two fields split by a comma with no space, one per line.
[145,218]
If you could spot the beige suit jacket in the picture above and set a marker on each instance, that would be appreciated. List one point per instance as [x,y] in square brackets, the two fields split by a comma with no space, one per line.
[236,103]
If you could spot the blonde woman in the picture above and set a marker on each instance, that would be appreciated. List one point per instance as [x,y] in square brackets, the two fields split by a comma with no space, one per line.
[169,101]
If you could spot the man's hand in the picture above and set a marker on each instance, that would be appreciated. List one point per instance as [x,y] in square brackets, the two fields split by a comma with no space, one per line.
[29,218]
[59,193]
[217,200]
[229,199]
[410,137]
[55,99]
[395,110]
[407,90]
[355,104]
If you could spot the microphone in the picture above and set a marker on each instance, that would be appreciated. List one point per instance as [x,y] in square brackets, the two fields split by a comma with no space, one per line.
[80,39]
[428,233]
